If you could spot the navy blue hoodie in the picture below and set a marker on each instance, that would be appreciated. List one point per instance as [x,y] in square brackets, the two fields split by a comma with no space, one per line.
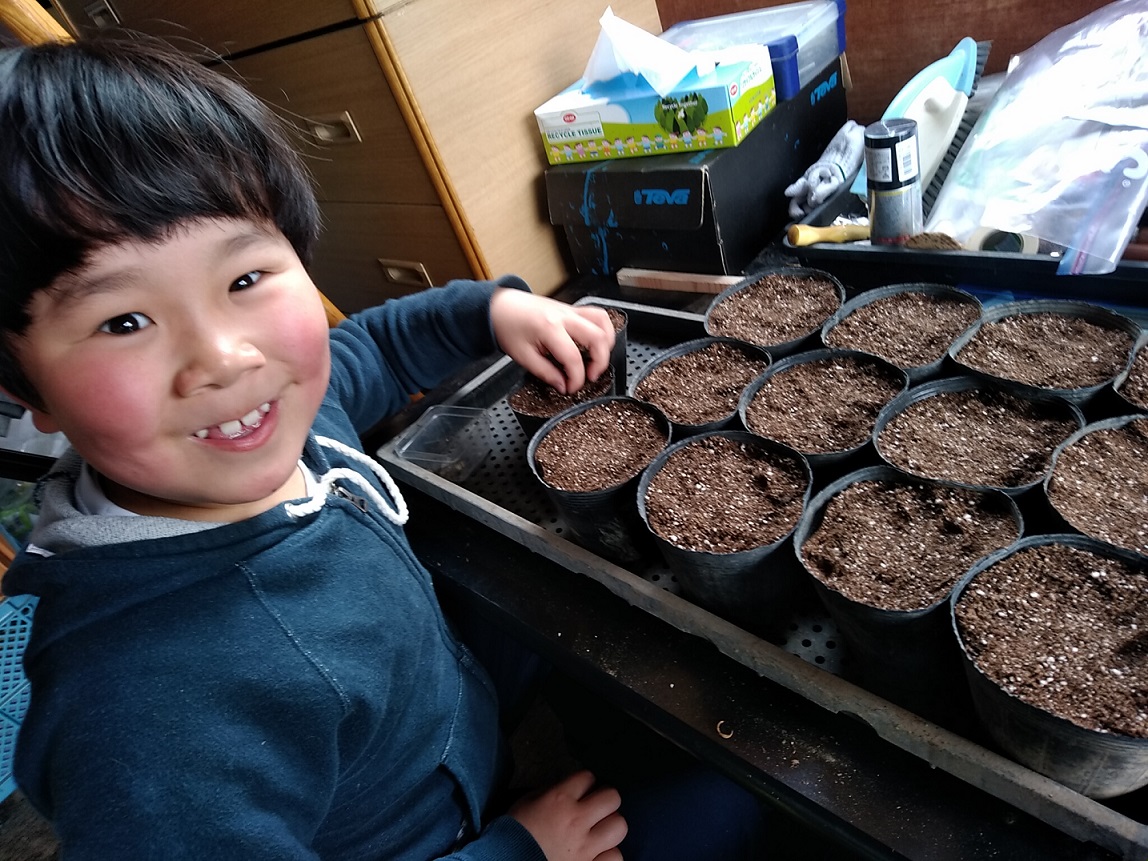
[284,687]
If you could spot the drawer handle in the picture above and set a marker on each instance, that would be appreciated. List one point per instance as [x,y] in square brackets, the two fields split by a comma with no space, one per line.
[405,272]
[102,14]
[334,129]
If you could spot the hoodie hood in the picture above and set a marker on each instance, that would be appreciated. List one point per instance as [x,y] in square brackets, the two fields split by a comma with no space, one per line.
[61,526]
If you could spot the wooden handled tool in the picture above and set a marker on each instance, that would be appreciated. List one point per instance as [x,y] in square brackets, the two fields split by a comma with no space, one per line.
[1138,248]
[687,282]
[807,234]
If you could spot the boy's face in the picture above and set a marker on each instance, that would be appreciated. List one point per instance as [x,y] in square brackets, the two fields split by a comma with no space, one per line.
[187,372]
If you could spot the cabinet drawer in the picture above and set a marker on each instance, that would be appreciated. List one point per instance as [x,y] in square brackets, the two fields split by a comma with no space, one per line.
[476,73]
[357,144]
[224,28]
[356,236]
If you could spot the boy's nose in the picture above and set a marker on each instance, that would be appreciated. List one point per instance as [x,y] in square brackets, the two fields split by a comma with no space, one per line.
[218,360]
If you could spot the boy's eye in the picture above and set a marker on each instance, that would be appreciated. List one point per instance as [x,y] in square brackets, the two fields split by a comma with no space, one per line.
[126,324]
[246,281]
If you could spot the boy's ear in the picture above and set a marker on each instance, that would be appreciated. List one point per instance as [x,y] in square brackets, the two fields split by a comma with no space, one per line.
[40,418]
[43,421]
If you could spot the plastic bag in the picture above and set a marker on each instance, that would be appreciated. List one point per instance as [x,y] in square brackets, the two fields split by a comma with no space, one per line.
[1061,152]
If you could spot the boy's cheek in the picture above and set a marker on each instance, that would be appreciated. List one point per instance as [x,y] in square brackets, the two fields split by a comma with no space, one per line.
[306,343]
[300,320]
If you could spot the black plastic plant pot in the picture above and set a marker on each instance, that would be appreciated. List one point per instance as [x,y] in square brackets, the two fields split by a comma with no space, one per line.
[753,587]
[618,353]
[820,461]
[909,657]
[1052,405]
[920,372]
[1094,763]
[1058,520]
[604,521]
[532,422]
[728,419]
[1126,404]
[807,340]
[1088,312]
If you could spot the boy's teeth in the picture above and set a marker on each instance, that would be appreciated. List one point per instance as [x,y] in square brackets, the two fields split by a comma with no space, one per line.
[235,426]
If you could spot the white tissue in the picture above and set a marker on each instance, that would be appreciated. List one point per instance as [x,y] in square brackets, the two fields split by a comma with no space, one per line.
[624,47]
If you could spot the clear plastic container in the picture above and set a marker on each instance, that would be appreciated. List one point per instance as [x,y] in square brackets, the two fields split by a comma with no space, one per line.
[452,442]
[803,38]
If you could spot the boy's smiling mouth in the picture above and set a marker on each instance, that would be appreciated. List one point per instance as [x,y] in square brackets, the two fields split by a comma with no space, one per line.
[236,428]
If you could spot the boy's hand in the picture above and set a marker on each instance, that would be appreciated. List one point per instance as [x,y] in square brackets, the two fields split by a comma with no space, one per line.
[544,336]
[573,821]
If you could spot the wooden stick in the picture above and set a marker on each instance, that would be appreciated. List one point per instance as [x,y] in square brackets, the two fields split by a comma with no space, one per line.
[806,234]
[334,315]
[686,282]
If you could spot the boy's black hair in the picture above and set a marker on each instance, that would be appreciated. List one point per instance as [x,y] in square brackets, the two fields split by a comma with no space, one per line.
[114,139]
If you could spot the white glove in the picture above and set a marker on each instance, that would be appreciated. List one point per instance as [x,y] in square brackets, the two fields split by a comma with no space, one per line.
[841,159]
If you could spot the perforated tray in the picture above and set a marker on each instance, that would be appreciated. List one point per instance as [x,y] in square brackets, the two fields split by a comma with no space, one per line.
[503,495]
[505,484]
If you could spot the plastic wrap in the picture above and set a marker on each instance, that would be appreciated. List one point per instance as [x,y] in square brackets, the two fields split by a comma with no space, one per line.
[1061,152]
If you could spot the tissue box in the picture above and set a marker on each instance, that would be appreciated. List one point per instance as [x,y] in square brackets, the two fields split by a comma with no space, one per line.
[624,116]
[803,38]
[709,212]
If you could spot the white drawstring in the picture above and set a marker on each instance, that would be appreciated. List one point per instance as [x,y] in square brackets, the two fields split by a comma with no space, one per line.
[398,515]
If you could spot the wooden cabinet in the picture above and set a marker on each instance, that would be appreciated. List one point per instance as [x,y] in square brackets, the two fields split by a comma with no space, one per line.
[373,251]
[476,72]
[355,140]
[385,229]
[221,28]
[417,121]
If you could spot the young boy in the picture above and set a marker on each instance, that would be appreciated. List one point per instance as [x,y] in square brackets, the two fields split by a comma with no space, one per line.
[235,654]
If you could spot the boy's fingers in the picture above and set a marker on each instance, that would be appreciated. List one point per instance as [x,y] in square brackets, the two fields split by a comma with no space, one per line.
[605,798]
[573,349]
[596,335]
[573,367]
[609,832]
[599,362]
[579,783]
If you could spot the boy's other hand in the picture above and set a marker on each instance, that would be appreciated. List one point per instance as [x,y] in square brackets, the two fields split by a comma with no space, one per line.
[574,820]
[546,337]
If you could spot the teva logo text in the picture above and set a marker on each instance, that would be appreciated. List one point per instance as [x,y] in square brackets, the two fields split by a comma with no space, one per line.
[661,196]
[823,89]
